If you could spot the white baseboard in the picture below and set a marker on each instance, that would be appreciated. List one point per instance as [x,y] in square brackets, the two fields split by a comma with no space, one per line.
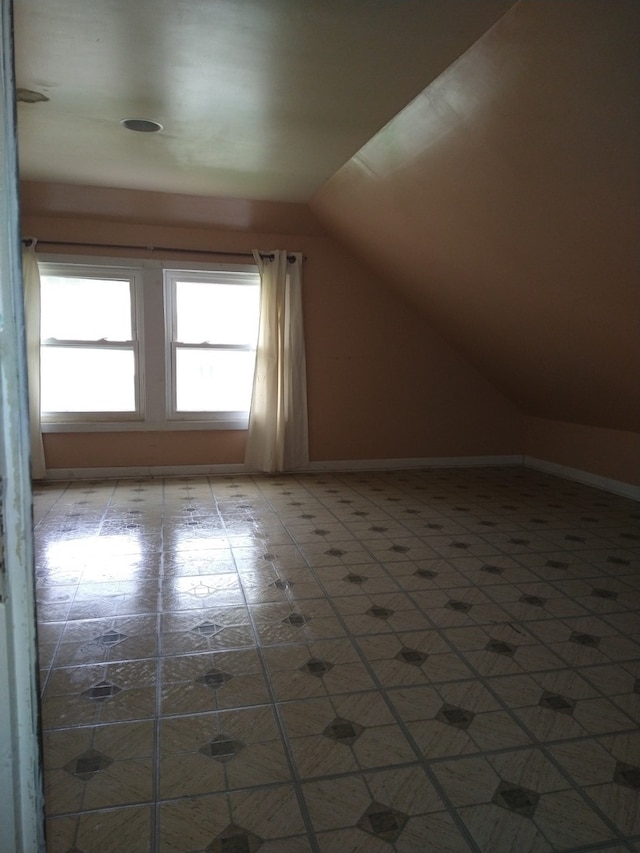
[239,468]
[618,487]
[419,462]
[129,473]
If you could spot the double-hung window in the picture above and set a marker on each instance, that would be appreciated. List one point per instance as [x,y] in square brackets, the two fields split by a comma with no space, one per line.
[146,345]
[212,334]
[90,348]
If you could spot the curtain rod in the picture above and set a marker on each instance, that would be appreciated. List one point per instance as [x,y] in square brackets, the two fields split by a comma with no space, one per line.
[33,241]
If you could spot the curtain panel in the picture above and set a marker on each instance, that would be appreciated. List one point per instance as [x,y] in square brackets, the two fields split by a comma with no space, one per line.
[277,438]
[31,285]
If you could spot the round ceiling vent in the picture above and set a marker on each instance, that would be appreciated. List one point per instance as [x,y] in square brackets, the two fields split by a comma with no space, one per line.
[141,125]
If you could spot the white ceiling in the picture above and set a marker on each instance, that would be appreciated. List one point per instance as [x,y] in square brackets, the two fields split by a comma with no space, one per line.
[261,99]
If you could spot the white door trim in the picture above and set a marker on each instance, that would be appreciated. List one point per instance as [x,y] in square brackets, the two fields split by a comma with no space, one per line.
[22,799]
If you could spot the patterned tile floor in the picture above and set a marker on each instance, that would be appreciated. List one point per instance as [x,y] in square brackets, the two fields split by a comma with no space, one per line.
[443,660]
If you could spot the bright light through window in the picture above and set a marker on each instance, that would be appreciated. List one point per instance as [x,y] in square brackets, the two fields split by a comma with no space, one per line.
[213,380]
[215,321]
[85,309]
[78,379]
[88,352]
[216,313]
[116,347]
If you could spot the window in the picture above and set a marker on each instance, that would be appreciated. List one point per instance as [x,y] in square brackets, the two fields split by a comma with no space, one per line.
[89,360]
[148,346]
[213,330]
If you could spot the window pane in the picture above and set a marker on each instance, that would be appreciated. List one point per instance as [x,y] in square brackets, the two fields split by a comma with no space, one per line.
[77,379]
[214,380]
[85,309]
[217,313]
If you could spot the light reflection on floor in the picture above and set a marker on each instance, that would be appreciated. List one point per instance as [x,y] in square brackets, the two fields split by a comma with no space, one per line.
[371,662]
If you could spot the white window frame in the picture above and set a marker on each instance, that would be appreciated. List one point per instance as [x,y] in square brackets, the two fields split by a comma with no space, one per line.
[152,316]
[135,345]
[238,277]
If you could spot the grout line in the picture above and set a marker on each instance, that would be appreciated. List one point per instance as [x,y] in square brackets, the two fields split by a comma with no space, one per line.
[284,738]
[331,509]
[481,679]
[435,782]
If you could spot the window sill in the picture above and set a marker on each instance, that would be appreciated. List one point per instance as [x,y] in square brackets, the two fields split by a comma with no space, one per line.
[143,426]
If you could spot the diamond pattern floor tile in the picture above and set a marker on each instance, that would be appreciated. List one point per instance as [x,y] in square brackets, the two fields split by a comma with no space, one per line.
[379,662]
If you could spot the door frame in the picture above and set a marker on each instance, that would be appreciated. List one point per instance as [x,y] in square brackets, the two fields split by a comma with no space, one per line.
[22,798]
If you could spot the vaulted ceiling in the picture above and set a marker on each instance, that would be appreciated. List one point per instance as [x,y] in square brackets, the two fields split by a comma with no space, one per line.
[260,99]
[481,155]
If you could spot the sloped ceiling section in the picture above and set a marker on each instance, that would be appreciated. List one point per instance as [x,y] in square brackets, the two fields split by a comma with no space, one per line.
[504,202]
[260,99]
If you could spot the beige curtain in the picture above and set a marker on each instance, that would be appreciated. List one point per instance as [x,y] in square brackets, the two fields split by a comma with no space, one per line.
[31,283]
[277,438]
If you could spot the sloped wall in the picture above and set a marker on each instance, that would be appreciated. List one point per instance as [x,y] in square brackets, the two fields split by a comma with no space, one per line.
[613,454]
[503,202]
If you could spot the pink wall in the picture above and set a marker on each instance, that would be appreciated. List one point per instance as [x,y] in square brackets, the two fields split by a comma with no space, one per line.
[142,449]
[503,203]
[614,454]
[381,382]
[100,204]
